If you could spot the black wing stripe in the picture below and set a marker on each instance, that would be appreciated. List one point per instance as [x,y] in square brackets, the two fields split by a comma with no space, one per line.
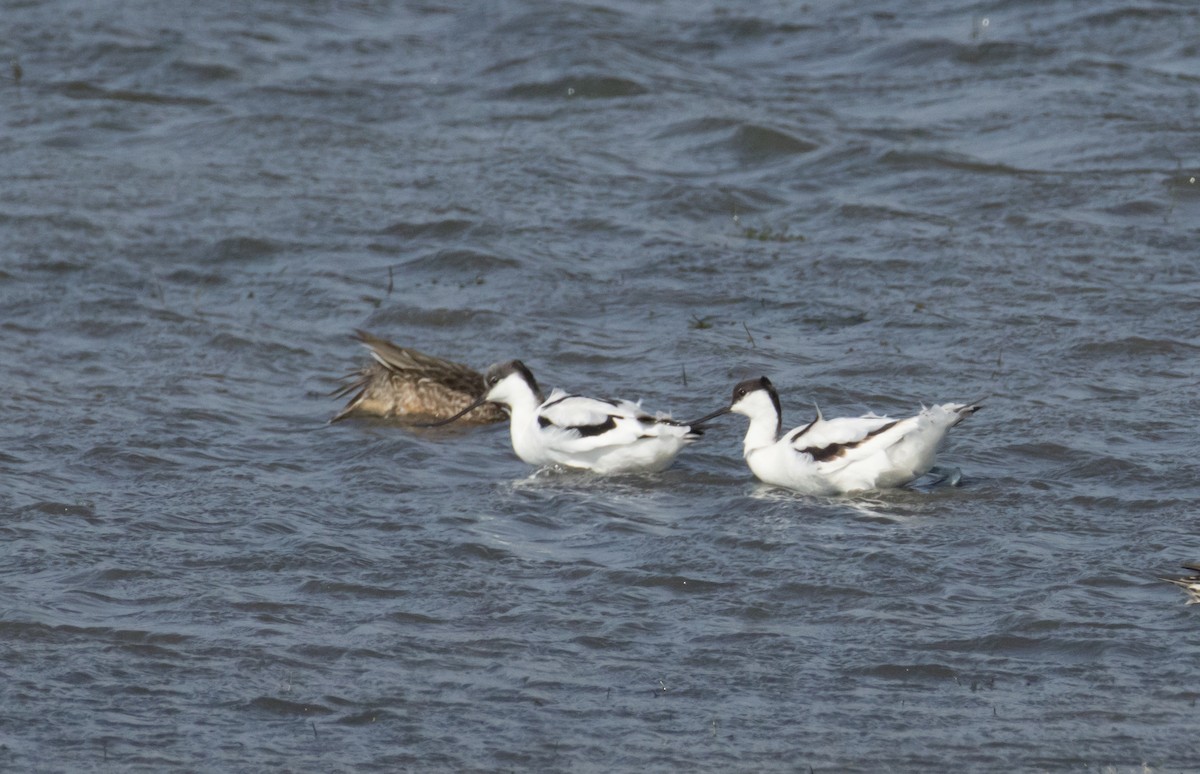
[590,430]
[803,430]
[834,450]
[585,431]
[556,401]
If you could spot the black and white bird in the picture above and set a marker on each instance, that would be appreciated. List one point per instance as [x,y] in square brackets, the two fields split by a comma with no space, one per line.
[572,431]
[1189,583]
[837,456]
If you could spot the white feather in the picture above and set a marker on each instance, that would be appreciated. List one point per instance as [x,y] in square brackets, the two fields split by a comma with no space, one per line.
[574,431]
[847,454]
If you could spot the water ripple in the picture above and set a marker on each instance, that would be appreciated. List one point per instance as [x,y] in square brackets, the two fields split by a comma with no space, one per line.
[874,207]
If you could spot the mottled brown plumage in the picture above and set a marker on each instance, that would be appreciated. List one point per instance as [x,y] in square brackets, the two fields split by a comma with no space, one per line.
[413,387]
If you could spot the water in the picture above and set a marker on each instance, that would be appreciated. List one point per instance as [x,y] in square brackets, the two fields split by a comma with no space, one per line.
[874,205]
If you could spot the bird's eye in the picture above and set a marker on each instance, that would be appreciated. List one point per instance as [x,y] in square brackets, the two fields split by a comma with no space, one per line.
[739,393]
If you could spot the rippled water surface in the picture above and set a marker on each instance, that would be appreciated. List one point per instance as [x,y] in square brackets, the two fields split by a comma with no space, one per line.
[876,204]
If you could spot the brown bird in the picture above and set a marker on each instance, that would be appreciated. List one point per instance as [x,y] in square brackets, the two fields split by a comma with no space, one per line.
[413,387]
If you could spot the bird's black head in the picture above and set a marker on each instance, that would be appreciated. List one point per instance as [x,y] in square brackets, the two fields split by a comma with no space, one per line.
[742,389]
[500,371]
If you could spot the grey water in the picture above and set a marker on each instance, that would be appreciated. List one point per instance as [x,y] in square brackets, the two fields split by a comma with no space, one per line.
[876,204]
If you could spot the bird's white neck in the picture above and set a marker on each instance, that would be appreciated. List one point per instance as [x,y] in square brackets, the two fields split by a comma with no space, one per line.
[523,405]
[762,432]
[523,424]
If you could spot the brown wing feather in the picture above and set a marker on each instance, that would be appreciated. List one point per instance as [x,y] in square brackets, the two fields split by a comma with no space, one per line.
[416,363]
[404,383]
